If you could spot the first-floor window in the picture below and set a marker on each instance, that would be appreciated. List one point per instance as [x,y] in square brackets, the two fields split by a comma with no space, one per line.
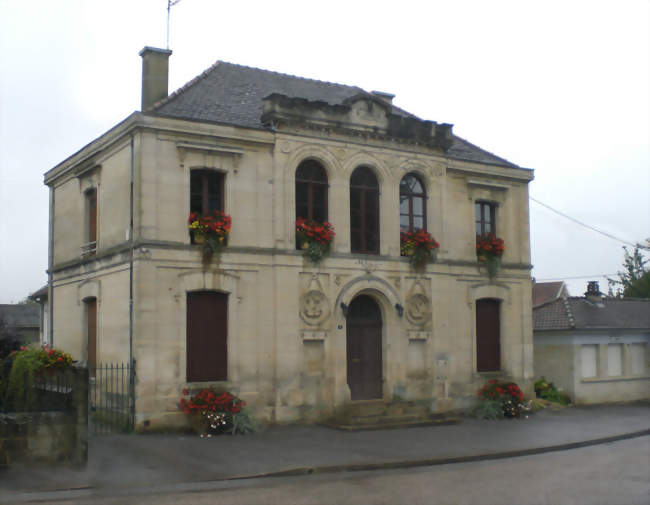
[637,358]
[589,360]
[615,360]
[207,336]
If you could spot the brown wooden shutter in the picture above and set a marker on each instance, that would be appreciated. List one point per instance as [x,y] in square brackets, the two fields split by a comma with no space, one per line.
[92,216]
[488,338]
[91,318]
[207,336]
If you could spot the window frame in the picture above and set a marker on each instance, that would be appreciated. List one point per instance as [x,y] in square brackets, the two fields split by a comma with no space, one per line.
[311,185]
[363,230]
[411,196]
[91,200]
[206,208]
[480,222]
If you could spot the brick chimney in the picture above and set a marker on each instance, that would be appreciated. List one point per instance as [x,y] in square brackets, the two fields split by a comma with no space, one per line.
[155,75]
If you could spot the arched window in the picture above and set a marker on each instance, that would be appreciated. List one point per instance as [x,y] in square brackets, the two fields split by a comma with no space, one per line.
[311,191]
[412,204]
[364,211]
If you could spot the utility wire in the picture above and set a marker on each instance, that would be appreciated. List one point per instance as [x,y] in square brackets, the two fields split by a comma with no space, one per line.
[608,235]
[560,278]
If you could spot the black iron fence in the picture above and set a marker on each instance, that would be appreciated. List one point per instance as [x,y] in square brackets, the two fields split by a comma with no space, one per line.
[111,399]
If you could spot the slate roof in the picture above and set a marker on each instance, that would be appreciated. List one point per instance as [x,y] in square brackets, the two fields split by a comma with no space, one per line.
[232,94]
[547,291]
[582,314]
[20,315]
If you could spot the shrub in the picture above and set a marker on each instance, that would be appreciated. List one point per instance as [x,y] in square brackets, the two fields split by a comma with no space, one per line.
[500,399]
[24,366]
[546,389]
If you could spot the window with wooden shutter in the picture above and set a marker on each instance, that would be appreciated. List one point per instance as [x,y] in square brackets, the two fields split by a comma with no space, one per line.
[364,211]
[311,191]
[207,336]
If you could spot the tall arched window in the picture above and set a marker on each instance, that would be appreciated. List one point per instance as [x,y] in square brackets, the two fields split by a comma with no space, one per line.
[364,211]
[311,191]
[412,204]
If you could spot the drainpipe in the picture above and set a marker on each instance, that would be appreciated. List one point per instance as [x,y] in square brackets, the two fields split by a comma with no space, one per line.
[132,242]
[50,262]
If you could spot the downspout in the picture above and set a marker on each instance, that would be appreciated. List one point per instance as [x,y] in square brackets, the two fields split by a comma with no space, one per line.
[50,262]
[132,242]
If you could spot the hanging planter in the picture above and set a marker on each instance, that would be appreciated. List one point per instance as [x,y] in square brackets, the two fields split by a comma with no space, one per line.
[314,238]
[489,250]
[420,247]
[210,232]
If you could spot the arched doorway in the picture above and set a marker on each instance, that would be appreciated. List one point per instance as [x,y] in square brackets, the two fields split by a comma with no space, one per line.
[364,357]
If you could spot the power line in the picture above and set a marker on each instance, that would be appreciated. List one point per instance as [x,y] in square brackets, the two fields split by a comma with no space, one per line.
[608,235]
[560,278]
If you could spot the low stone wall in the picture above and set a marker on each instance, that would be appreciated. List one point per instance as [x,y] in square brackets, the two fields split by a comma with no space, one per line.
[52,436]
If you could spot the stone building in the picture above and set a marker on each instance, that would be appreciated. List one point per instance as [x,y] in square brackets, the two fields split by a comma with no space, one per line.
[293,338]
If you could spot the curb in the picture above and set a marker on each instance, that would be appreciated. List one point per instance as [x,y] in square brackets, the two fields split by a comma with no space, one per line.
[360,467]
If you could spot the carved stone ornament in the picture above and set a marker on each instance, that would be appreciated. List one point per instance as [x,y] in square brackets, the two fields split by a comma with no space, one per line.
[314,307]
[418,309]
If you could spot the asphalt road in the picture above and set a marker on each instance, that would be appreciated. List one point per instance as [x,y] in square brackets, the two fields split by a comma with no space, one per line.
[611,474]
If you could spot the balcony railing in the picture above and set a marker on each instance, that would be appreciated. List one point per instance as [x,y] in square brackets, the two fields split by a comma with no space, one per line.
[89,249]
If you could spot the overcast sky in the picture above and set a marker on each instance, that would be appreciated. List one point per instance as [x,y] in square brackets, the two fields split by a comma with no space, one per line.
[560,87]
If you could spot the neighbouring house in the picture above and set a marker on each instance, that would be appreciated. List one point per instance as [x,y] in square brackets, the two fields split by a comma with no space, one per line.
[21,321]
[294,338]
[594,348]
[544,292]
[41,298]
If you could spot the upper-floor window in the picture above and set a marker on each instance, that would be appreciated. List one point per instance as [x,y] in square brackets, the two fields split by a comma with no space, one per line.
[364,211]
[485,218]
[206,192]
[90,245]
[311,191]
[412,208]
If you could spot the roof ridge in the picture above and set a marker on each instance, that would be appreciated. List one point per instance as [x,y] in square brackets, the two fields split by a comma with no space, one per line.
[572,321]
[330,83]
[183,88]
[486,151]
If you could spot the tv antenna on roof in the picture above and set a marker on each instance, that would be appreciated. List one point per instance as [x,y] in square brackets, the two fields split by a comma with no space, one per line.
[170,4]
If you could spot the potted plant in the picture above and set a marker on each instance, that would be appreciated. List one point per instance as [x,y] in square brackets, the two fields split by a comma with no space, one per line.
[498,399]
[419,246]
[314,238]
[213,412]
[489,250]
[210,231]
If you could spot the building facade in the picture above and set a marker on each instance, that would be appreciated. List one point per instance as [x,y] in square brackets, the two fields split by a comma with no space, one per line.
[293,338]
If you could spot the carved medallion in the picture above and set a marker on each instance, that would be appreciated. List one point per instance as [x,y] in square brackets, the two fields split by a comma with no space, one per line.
[418,309]
[314,307]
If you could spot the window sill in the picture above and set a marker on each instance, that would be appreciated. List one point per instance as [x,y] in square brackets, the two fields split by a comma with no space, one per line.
[618,378]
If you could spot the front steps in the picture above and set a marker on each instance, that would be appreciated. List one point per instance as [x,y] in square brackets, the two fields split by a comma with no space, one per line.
[380,415]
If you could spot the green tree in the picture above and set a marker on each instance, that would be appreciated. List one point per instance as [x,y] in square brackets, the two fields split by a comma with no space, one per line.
[634,280]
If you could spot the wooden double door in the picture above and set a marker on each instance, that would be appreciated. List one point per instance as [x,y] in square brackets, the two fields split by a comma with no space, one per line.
[364,349]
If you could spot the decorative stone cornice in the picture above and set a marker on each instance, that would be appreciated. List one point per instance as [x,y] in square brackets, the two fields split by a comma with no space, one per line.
[359,115]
